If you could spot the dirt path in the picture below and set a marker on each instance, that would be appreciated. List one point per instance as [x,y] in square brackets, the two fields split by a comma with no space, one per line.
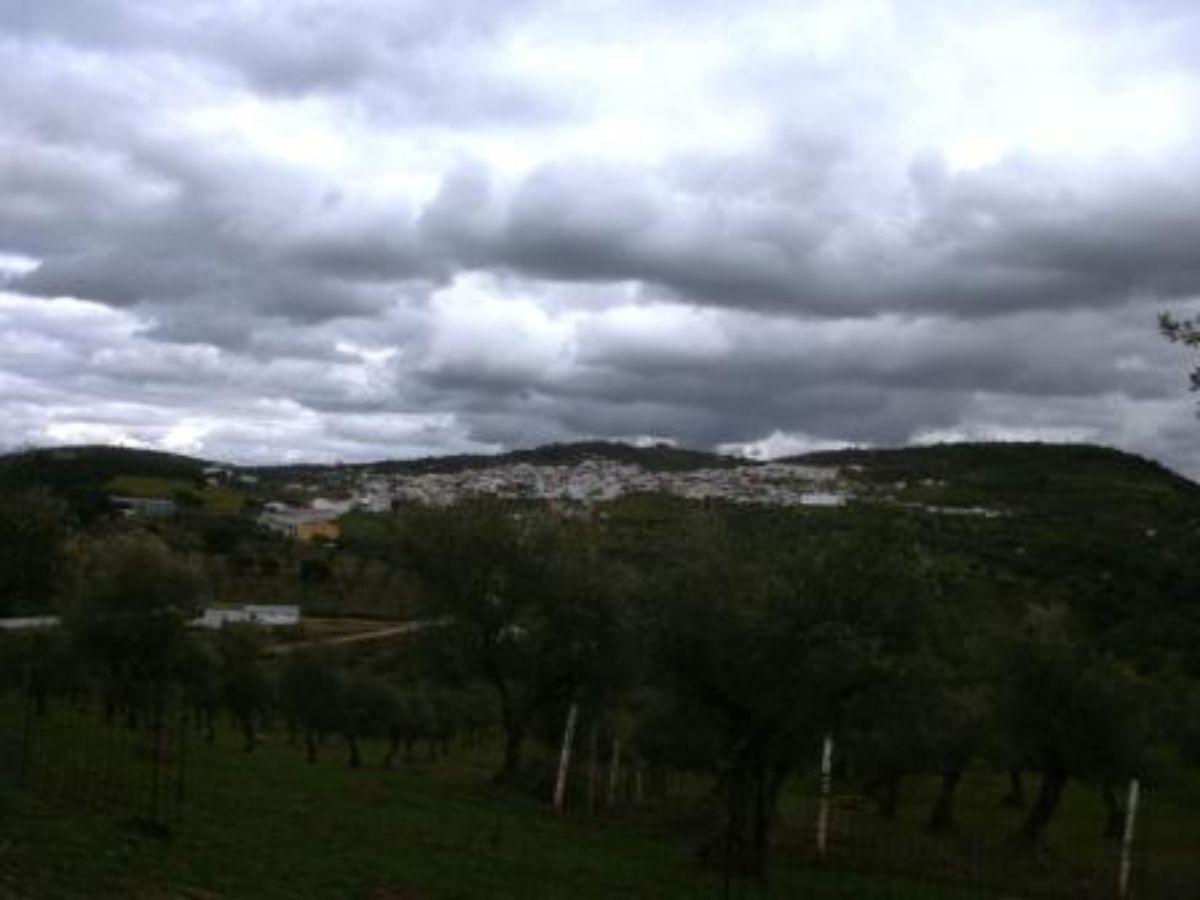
[381,634]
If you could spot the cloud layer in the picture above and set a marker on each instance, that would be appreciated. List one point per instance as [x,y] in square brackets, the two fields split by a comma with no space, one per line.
[308,230]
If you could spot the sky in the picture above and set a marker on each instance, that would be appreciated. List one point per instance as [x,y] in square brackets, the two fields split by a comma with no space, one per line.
[296,230]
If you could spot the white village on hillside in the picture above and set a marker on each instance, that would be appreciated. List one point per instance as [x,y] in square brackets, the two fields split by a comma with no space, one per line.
[585,483]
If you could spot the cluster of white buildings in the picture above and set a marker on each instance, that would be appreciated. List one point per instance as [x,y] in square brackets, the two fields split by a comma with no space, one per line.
[317,520]
[213,617]
[267,615]
[598,480]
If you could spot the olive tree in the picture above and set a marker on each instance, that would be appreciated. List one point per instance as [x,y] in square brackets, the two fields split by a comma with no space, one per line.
[1069,713]
[514,609]
[129,616]
[774,642]
[33,530]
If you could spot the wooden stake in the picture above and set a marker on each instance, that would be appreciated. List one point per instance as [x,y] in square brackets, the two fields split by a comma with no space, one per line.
[564,760]
[826,785]
[1127,840]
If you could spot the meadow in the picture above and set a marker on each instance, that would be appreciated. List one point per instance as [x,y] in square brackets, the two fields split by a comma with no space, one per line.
[267,824]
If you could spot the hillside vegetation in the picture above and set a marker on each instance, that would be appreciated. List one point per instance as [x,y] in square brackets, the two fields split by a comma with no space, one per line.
[69,469]
[1028,478]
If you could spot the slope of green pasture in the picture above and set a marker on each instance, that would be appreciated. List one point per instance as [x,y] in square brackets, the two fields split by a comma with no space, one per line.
[267,824]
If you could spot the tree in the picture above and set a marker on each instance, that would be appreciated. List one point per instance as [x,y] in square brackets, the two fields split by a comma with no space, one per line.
[930,709]
[1185,332]
[918,715]
[201,680]
[364,710]
[890,728]
[775,641]
[405,719]
[129,615]
[245,688]
[491,575]
[314,571]
[1069,713]
[33,530]
[311,690]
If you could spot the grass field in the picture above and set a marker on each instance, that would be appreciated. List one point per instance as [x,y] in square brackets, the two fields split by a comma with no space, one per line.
[267,824]
[214,499]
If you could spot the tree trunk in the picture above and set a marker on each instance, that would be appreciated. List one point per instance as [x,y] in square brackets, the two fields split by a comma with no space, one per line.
[1044,805]
[762,822]
[941,818]
[614,769]
[352,743]
[1016,790]
[754,789]
[1114,818]
[770,785]
[593,755]
[514,741]
[310,743]
[514,726]
[889,796]
[248,735]
[659,778]
[393,749]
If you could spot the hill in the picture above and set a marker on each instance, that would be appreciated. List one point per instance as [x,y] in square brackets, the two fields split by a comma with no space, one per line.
[74,468]
[655,458]
[1026,478]
[1108,533]
[1116,535]
[85,476]
[1075,480]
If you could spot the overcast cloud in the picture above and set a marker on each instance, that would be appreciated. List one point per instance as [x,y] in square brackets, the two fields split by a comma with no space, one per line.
[258,230]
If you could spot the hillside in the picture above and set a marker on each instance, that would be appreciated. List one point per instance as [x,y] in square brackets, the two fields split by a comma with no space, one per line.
[1115,534]
[1074,480]
[1111,534]
[1023,478]
[86,476]
[657,458]
[72,468]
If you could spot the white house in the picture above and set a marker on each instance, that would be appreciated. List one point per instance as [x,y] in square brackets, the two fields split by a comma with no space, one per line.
[25,622]
[274,616]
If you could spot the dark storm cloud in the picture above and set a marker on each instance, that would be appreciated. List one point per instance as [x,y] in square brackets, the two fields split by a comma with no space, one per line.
[1018,237]
[372,228]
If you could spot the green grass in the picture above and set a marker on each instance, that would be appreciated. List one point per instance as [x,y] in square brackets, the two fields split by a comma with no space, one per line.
[214,499]
[269,825]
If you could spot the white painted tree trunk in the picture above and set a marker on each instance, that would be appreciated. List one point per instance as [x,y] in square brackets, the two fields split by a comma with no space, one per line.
[826,787]
[1131,806]
[564,760]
